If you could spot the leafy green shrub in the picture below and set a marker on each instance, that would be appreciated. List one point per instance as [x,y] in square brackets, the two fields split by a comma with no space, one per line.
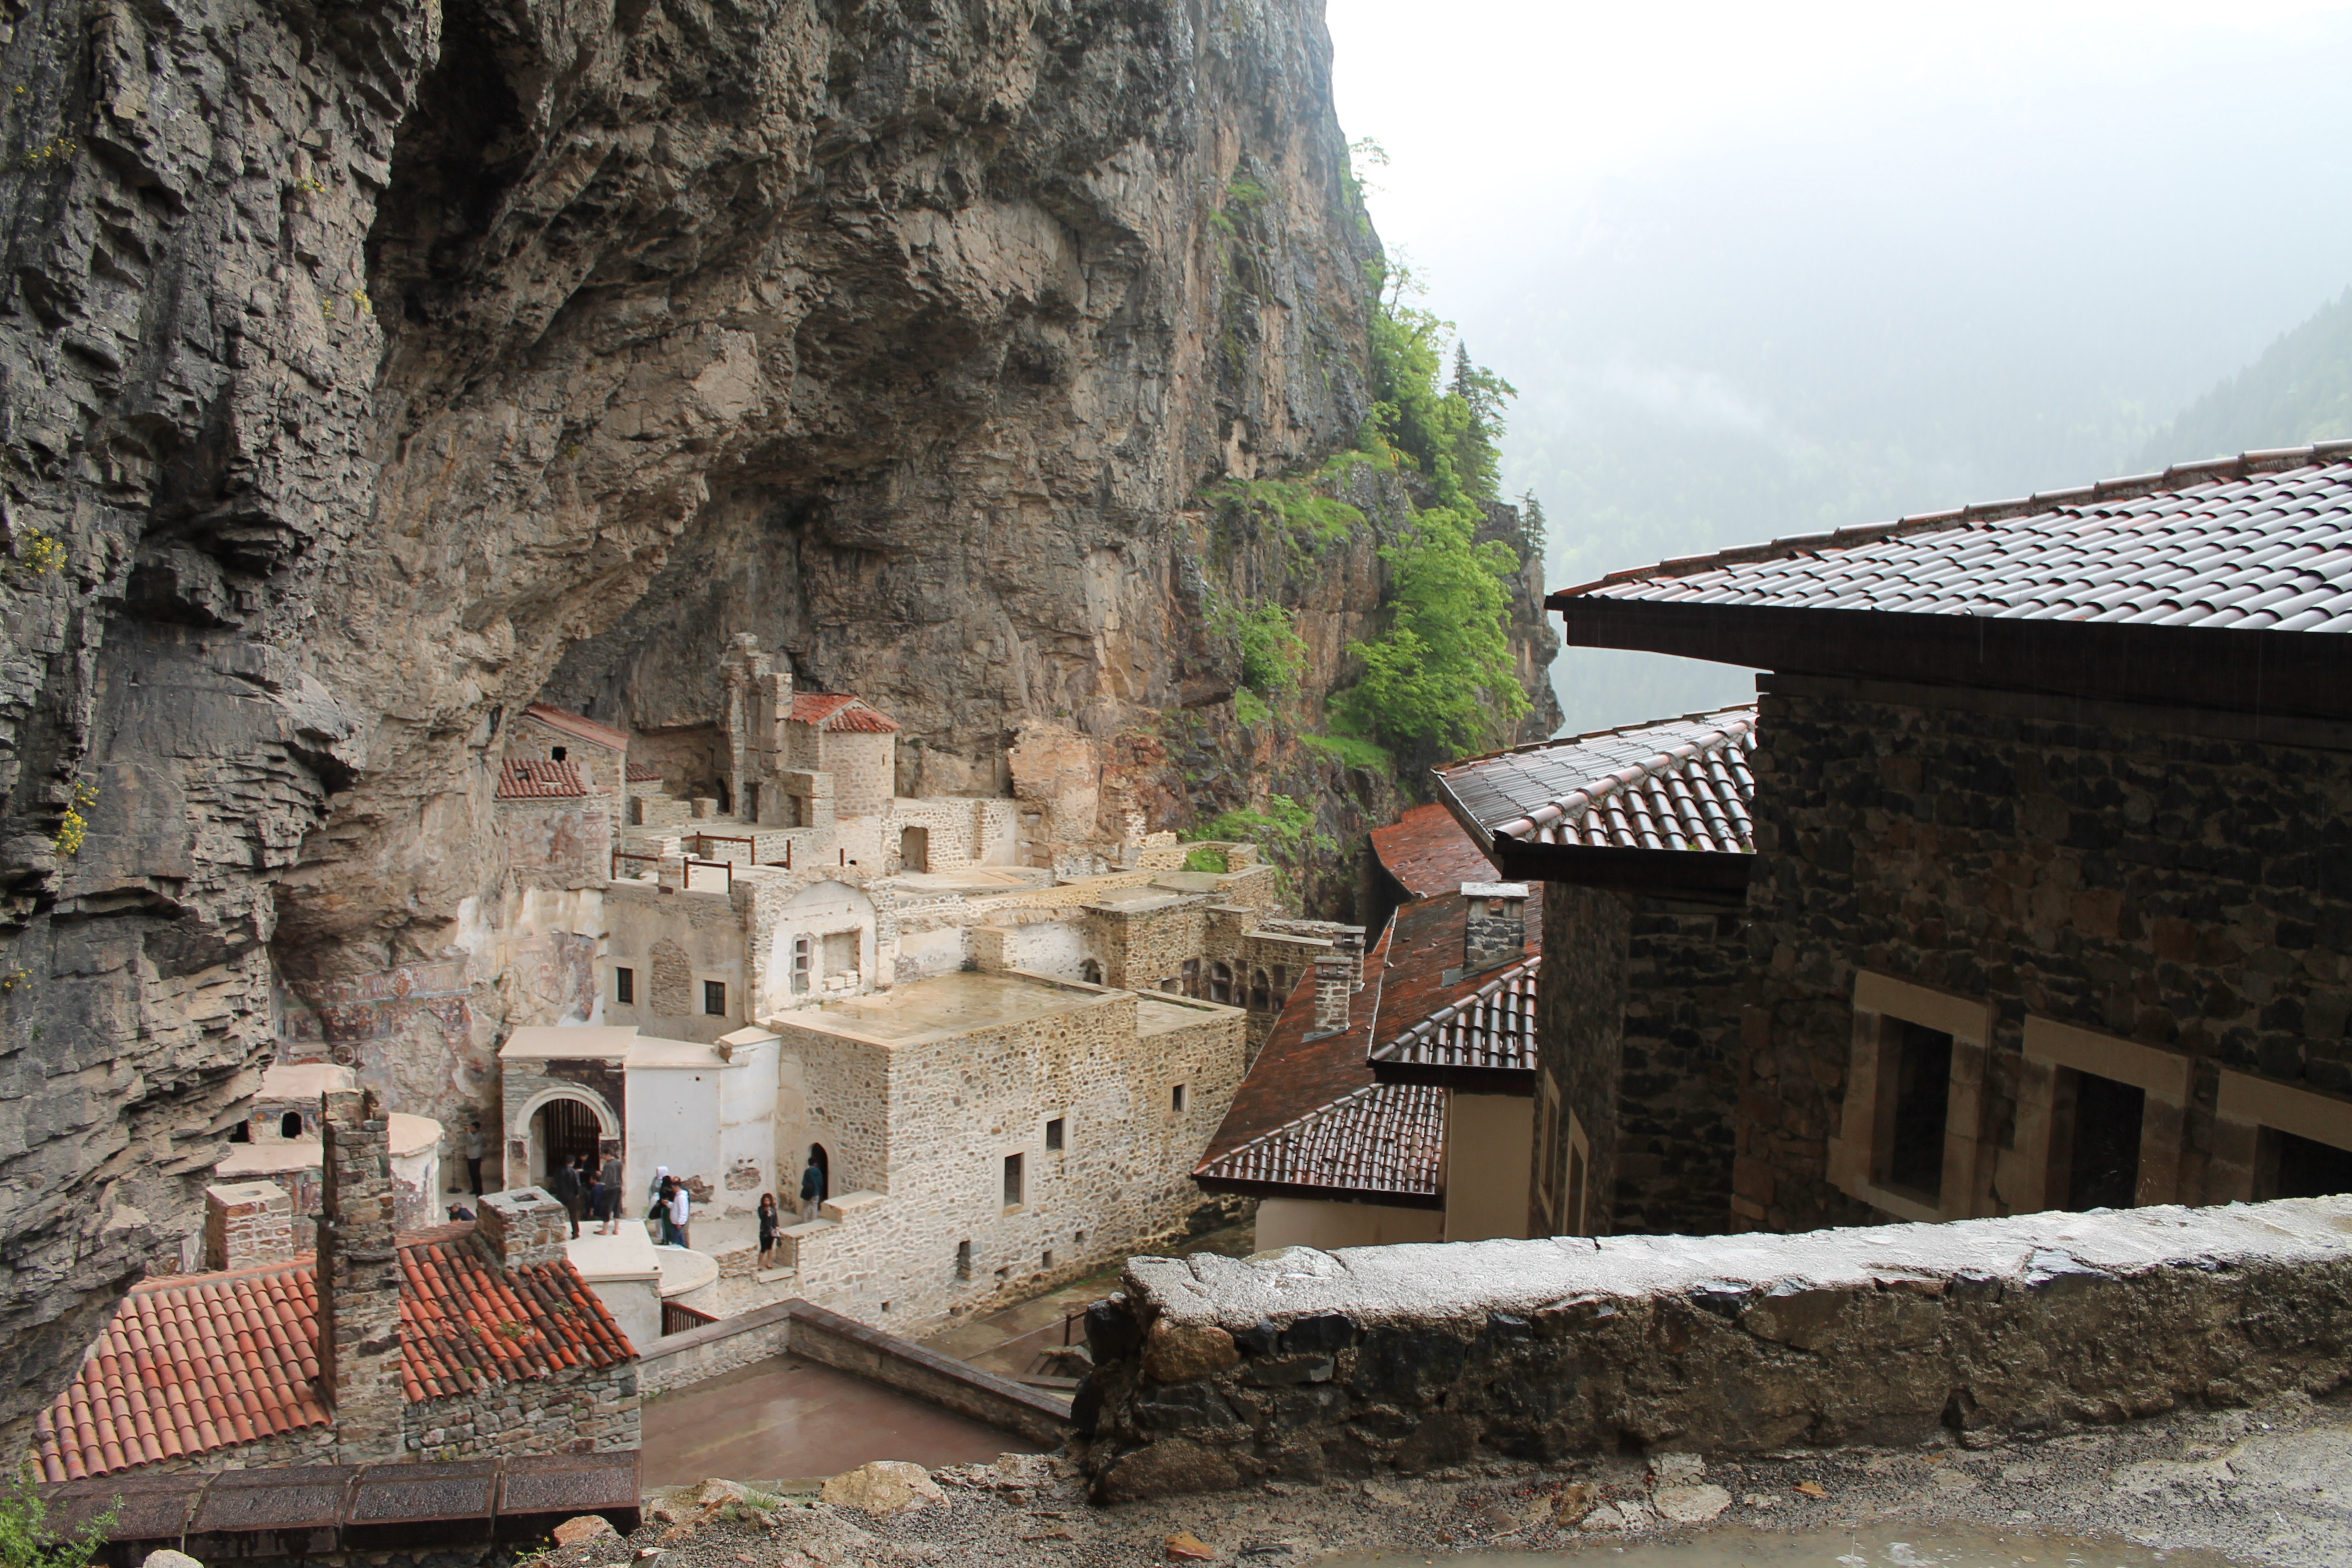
[1351,752]
[1207,860]
[1265,642]
[27,1542]
[1282,825]
[1441,678]
[1250,707]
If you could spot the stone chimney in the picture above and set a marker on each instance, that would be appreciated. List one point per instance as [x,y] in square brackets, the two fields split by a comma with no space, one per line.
[524,1227]
[1495,925]
[248,1222]
[359,1278]
[1336,978]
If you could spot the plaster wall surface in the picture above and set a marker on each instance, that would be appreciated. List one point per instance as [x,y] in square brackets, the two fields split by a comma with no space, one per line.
[1488,1139]
[1329,1226]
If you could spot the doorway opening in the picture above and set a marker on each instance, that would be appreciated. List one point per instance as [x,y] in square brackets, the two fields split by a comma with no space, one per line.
[914,850]
[567,1128]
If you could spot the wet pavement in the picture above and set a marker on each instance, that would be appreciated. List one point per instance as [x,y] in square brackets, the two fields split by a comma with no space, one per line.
[785,1418]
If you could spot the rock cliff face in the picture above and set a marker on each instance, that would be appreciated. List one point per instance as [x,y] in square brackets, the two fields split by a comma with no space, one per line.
[369,370]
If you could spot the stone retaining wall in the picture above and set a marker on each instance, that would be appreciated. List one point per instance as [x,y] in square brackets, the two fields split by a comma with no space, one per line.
[1215,1371]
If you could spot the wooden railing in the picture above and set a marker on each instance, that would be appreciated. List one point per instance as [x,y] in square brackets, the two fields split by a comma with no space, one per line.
[700,845]
[619,855]
[677,1317]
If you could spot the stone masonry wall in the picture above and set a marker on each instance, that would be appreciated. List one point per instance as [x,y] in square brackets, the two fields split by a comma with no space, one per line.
[1579,1044]
[2164,878]
[579,1410]
[248,1222]
[1215,1371]
[1678,1086]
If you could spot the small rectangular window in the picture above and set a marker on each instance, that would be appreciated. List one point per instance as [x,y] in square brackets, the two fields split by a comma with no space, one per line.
[714,998]
[1923,1094]
[1054,1133]
[1013,1182]
[2303,1167]
[625,986]
[963,1260]
[1176,1100]
[800,964]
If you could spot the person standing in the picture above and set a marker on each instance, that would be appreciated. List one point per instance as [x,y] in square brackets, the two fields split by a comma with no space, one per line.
[770,1223]
[663,1197]
[608,1182]
[812,1188]
[681,1211]
[474,1155]
[564,1184]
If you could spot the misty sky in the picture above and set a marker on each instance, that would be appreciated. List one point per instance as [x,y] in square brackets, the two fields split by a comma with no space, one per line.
[1764,270]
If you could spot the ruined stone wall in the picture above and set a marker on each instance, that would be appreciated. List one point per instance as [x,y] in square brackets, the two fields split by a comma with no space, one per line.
[578,1410]
[2166,878]
[1303,1365]
[562,844]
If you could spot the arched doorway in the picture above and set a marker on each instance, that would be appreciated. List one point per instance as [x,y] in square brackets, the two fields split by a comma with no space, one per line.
[914,850]
[562,1130]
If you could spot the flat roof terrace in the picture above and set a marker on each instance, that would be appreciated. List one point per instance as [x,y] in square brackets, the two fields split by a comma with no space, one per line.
[946,1004]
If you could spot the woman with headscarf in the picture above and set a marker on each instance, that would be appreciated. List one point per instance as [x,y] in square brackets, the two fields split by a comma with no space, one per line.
[658,1200]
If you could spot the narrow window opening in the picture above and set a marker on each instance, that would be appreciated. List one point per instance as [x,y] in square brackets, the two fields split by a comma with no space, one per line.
[1012,1180]
[555,753]
[2102,1128]
[800,965]
[1090,972]
[726,799]
[1176,1098]
[1048,1262]
[1192,978]
[1281,985]
[625,986]
[1260,998]
[1923,1093]
[241,1133]
[1575,1215]
[751,814]
[1054,1133]
[1221,982]
[2308,1168]
[714,998]
[290,1124]
[963,1260]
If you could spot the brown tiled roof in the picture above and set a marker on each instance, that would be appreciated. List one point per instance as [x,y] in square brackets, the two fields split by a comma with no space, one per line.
[643,772]
[187,1364]
[536,778]
[2263,540]
[573,723]
[466,1318]
[1294,1073]
[1421,962]
[1490,1031]
[838,710]
[200,1362]
[1681,784]
[1386,1142]
[1427,852]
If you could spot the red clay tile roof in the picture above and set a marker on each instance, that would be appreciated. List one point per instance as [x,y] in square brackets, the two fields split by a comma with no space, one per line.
[1682,784]
[1492,1030]
[200,1362]
[2263,540]
[465,1318]
[643,772]
[1385,1142]
[571,724]
[536,778]
[1427,852]
[187,1364]
[838,710]
[1296,1078]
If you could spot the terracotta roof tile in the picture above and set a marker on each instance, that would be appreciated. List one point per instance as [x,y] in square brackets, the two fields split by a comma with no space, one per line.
[839,710]
[200,1362]
[536,778]
[1492,1030]
[1385,1142]
[575,725]
[2261,542]
[1427,852]
[1421,975]
[643,772]
[1680,785]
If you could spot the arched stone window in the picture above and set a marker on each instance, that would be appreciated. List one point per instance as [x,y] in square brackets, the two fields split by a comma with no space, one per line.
[1090,972]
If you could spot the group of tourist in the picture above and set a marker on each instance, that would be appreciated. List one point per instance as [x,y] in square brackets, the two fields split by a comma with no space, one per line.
[590,1189]
[673,1207]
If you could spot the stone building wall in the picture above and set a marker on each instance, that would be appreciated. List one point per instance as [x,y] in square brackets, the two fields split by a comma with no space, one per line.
[1677,1094]
[1581,1006]
[946,1112]
[565,844]
[576,1411]
[2171,879]
[1140,948]
[864,768]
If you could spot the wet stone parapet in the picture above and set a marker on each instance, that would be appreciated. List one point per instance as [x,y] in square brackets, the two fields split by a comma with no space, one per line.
[1213,1372]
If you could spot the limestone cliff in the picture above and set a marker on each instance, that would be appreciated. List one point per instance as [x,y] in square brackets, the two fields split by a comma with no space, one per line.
[369,370]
